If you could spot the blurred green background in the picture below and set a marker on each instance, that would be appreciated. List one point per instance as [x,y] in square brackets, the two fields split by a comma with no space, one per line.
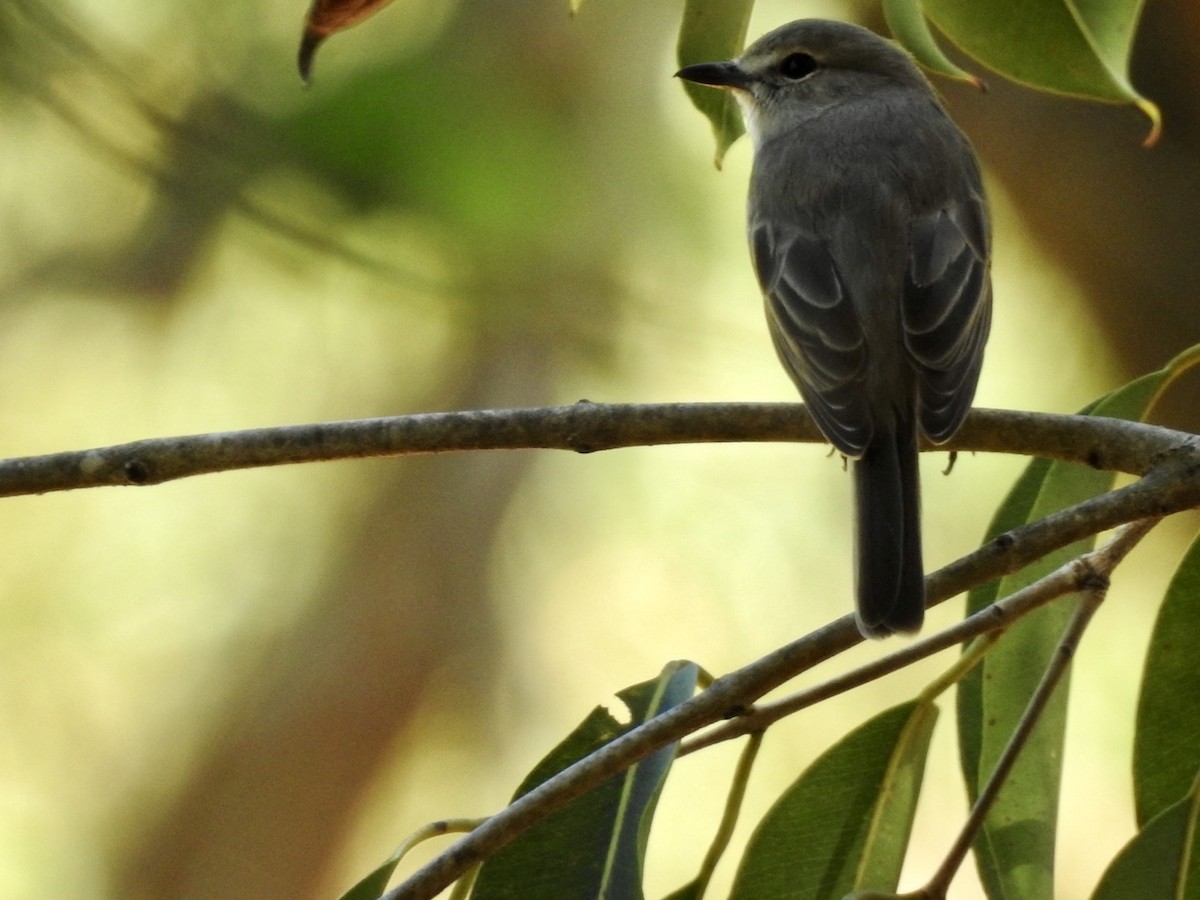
[254,684]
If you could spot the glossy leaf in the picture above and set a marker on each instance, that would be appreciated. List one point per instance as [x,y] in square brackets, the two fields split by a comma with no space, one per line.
[713,31]
[1166,752]
[595,846]
[844,824]
[1015,848]
[1071,47]
[1162,860]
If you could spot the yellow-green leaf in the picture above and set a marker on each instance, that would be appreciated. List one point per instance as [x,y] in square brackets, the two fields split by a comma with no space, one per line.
[713,31]
[908,25]
[1075,47]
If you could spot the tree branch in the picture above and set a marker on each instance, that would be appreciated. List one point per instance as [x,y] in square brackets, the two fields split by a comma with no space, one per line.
[1171,485]
[1112,444]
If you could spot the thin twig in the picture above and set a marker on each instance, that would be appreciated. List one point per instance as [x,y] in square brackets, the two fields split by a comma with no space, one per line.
[1069,578]
[1093,572]
[987,620]
[733,807]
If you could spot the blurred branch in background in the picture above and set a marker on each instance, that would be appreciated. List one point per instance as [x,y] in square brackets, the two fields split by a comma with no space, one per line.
[201,149]
[309,731]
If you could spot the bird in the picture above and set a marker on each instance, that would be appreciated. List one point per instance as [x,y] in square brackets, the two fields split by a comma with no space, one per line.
[870,237]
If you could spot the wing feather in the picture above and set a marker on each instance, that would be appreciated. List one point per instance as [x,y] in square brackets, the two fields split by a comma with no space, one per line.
[946,310]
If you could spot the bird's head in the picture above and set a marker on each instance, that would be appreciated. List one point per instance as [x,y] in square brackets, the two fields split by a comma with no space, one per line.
[802,69]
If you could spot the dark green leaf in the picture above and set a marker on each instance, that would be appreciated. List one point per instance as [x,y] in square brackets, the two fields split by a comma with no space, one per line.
[1166,750]
[374,884]
[687,892]
[713,31]
[1015,848]
[595,846]
[1162,860]
[844,824]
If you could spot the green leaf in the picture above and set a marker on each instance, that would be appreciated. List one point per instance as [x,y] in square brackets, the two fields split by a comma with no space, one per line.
[1015,849]
[1162,860]
[908,25]
[845,823]
[594,846]
[1166,750]
[1075,47]
[714,31]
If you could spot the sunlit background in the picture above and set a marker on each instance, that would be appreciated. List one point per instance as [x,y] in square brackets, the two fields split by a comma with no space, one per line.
[255,684]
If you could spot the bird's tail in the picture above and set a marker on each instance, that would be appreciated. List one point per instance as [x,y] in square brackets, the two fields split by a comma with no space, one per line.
[890,576]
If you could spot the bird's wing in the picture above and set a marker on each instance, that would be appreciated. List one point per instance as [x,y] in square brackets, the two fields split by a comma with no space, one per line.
[947,310]
[816,331]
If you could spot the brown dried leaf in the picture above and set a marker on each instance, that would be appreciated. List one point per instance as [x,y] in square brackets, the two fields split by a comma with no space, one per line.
[327,16]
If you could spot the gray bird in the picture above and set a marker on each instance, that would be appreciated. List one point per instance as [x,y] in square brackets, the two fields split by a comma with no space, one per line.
[869,235]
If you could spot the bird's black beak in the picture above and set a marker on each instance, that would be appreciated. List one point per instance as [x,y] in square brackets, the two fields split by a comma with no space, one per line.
[718,75]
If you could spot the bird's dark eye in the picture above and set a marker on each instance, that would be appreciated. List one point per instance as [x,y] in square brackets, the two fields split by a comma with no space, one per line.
[795,66]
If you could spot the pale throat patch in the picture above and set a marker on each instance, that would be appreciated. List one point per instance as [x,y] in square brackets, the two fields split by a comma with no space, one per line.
[751,116]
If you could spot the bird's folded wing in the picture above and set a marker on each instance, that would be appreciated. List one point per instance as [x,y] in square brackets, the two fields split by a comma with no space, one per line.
[946,310]
[816,331]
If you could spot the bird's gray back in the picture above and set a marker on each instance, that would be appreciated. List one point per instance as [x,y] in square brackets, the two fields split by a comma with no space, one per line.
[860,179]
